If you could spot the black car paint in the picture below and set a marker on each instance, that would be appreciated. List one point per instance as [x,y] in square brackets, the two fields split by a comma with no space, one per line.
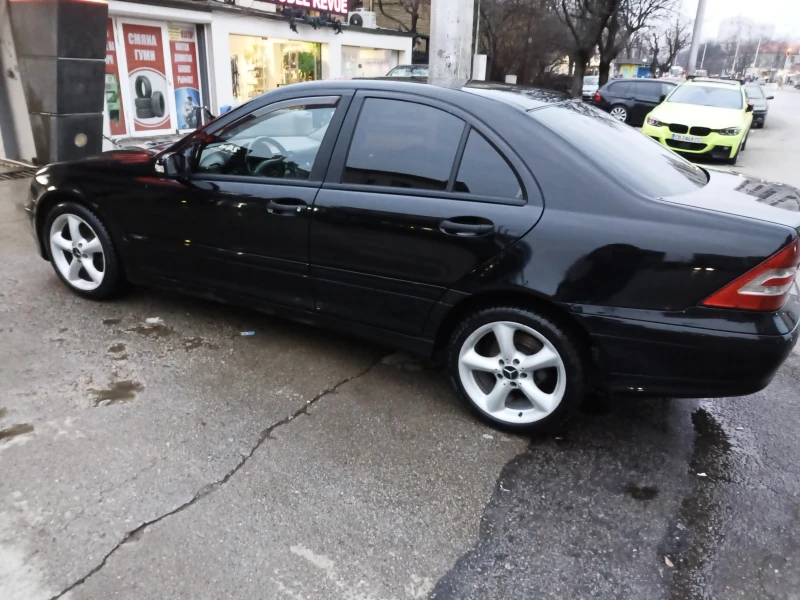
[627,272]
[638,103]
[760,102]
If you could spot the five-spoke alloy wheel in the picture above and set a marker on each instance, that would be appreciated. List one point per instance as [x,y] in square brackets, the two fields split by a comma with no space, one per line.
[516,368]
[81,250]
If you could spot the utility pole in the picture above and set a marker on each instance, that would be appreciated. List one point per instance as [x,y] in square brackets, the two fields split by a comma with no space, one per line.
[703,60]
[696,34]
[736,55]
[758,48]
[451,42]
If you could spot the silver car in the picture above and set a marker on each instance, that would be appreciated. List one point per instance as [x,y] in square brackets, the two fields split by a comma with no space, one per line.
[591,84]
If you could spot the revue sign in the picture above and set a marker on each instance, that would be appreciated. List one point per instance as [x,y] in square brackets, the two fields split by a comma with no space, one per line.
[338,7]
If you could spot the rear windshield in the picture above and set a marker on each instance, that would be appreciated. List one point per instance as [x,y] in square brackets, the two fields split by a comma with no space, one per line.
[622,152]
[754,92]
[707,96]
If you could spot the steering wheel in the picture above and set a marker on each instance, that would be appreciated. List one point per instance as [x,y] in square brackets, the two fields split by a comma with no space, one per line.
[270,144]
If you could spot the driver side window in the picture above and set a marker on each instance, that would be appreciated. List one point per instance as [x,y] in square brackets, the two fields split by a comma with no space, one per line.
[281,143]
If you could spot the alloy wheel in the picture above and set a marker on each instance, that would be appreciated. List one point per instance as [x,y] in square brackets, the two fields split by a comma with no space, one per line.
[77,252]
[619,113]
[512,372]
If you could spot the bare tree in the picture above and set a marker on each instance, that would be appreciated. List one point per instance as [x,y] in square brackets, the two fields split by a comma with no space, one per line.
[666,44]
[411,7]
[630,17]
[585,20]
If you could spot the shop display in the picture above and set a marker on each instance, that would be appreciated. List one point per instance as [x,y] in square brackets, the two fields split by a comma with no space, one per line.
[115,112]
[144,51]
[185,74]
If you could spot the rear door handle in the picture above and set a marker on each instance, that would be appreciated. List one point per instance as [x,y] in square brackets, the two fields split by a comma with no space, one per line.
[466,226]
[286,207]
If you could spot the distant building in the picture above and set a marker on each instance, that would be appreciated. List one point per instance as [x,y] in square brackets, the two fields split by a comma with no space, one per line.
[744,29]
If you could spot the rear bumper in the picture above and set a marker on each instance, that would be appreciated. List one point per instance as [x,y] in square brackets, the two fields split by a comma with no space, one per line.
[673,358]
[713,145]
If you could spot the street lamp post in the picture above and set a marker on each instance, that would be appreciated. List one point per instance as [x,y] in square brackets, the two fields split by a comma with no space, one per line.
[696,33]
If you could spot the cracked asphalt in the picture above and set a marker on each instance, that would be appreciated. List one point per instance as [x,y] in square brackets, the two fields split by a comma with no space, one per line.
[176,458]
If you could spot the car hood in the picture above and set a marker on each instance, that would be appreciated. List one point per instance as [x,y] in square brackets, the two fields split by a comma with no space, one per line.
[745,196]
[133,161]
[698,116]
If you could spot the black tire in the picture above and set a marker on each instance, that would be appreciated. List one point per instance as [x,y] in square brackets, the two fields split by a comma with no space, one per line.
[113,279]
[567,344]
[143,103]
[735,159]
[144,113]
[143,87]
[157,104]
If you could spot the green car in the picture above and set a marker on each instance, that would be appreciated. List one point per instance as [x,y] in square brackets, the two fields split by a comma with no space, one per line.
[703,117]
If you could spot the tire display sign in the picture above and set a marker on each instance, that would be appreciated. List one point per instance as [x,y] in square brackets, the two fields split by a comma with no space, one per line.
[185,74]
[144,51]
[113,106]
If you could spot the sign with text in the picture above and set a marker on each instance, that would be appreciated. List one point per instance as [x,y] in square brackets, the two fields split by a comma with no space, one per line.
[144,49]
[185,74]
[339,7]
[114,109]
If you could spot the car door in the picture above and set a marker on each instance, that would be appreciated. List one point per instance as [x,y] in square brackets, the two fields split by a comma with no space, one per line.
[247,200]
[646,95]
[418,195]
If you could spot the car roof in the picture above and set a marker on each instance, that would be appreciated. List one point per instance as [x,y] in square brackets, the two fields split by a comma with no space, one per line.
[524,98]
[708,82]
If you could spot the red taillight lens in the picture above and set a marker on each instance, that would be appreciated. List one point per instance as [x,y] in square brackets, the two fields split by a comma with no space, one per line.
[764,288]
[597,97]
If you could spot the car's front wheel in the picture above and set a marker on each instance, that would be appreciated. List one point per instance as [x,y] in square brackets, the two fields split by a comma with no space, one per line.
[620,113]
[517,369]
[81,251]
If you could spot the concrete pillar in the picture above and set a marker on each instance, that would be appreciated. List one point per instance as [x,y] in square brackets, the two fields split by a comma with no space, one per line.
[451,42]
[16,139]
[61,50]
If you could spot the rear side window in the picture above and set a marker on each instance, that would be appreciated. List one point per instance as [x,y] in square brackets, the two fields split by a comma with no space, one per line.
[621,88]
[648,89]
[666,88]
[622,152]
[403,144]
[484,172]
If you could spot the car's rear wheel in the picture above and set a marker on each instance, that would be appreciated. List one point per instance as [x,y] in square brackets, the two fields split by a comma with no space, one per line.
[517,369]
[81,251]
[620,113]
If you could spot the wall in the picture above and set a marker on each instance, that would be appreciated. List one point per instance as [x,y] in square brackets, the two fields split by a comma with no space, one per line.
[224,23]
[15,125]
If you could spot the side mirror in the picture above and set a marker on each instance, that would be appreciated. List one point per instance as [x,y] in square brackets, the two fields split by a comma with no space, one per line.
[172,165]
[770,97]
[749,108]
[663,97]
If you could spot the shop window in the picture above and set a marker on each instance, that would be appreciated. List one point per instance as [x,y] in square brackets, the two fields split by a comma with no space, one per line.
[259,64]
[484,172]
[281,144]
[367,62]
[403,144]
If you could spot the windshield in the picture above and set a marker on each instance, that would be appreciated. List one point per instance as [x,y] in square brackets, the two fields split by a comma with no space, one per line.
[707,96]
[754,92]
[622,152]
[591,80]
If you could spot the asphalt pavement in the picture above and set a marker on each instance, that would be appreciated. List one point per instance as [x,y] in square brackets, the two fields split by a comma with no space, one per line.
[148,450]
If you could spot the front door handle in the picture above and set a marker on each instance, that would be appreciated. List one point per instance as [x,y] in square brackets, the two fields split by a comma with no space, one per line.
[466,226]
[286,207]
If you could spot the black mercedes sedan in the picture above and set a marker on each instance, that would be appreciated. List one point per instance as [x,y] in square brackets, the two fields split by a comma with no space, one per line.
[542,248]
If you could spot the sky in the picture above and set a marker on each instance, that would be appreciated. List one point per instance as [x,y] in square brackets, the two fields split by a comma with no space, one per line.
[785,14]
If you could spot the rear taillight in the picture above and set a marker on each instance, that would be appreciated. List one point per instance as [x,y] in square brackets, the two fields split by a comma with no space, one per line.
[597,97]
[763,288]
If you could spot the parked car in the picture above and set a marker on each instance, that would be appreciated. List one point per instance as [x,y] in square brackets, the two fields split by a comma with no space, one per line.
[703,117]
[539,246]
[590,86]
[409,71]
[759,100]
[629,100]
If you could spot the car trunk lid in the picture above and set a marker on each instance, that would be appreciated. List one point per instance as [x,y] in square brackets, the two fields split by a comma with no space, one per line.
[744,196]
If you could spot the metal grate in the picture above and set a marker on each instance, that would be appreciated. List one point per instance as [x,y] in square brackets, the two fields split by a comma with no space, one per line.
[21,174]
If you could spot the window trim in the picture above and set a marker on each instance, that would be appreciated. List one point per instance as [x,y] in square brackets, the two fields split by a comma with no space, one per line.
[340,102]
[333,179]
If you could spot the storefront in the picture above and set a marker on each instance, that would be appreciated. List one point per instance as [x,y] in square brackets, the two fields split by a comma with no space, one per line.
[164,62]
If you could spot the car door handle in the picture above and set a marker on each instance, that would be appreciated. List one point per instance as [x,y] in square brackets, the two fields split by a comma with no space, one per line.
[466,226]
[286,207]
